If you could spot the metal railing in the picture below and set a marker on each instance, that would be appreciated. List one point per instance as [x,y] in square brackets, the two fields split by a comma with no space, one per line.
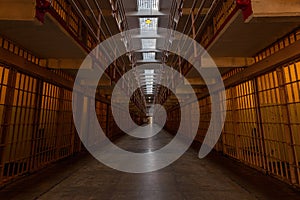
[278,45]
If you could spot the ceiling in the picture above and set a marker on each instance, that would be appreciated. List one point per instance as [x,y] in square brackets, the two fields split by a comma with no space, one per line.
[148,15]
[105,18]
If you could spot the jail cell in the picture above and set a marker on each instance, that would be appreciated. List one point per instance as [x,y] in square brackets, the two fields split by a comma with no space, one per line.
[113,129]
[229,134]
[205,115]
[274,124]
[101,111]
[18,122]
[36,124]
[4,74]
[220,99]
[45,137]
[185,121]
[122,115]
[173,121]
[249,138]
[66,134]
[193,116]
[89,122]
[291,76]
[177,117]
[110,122]
[170,123]
[4,92]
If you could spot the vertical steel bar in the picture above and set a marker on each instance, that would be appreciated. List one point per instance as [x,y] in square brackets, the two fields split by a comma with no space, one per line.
[288,130]
[7,114]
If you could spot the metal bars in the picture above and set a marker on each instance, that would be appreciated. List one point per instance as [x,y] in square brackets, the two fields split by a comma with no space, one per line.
[37,123]
[262,124]
[205,115]
[266,123]
[291,85]
[278,45]
[248,136]
[229,135]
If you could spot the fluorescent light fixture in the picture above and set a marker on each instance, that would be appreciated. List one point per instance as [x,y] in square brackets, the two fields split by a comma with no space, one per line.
[147,4]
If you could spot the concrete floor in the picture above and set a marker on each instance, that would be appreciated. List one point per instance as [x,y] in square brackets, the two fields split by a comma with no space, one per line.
[215,177]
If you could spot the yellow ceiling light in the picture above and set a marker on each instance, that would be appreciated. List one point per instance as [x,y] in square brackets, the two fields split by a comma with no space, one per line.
[148,21]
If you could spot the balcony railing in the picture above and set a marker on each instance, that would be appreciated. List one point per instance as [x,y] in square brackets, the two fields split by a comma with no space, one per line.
[278,45]
[86,29]
[219,15]
[20,51]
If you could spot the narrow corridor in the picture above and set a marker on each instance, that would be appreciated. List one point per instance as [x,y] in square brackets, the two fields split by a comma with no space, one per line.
[215,177]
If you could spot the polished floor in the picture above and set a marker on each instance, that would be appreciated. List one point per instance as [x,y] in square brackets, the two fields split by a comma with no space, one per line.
[215,177]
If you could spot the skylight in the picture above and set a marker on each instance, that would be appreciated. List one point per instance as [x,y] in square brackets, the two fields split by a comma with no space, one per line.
[149,89]
[148,24]
[149,71]
[149,56]
[149,80]
[148,43]
[147,4]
